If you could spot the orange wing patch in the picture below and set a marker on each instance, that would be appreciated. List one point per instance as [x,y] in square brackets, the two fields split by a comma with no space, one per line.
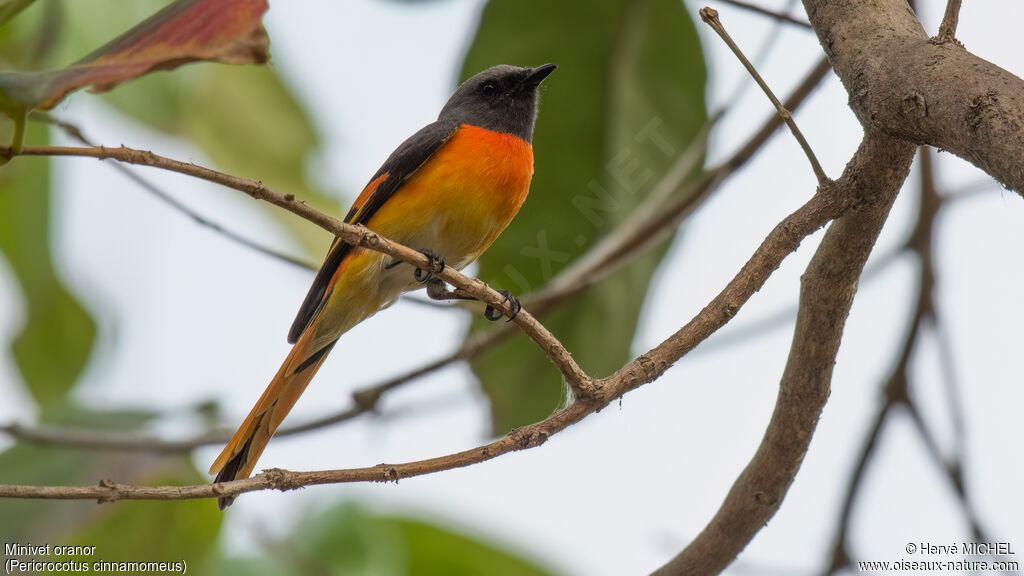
[364,196]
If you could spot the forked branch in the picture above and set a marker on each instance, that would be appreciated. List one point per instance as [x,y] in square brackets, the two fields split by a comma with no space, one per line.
[591,395]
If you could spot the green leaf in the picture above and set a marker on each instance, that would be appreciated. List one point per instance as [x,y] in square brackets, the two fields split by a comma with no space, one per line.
[55,343]
[244,118]
[10,8]
[227,31]
[349,540]
[627,99]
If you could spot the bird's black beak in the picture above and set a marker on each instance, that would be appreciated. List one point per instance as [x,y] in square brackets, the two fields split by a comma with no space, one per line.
[538,74]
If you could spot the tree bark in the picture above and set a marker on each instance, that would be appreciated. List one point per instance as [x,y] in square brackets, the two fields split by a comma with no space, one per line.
[907,90]
[927,91]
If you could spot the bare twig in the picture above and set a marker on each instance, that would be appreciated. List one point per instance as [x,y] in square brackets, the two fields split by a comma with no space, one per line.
[102,440]
[639,234]
[710,17]
[783,240]
[634,237]
[739,334]
[972,189]
[75,132]
[896,388]
[895,392]
[364,401]
[826,295]
[779,16]
[763,53]
[947,30]
[953,471]
[950,98]
[840,555]
[578,381]
[950,384]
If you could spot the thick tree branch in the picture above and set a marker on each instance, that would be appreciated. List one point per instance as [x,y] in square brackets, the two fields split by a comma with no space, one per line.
[872,178]
[909,87]
[896,389]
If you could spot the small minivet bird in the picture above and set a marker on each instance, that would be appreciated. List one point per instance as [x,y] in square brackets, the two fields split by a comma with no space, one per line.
[447,191]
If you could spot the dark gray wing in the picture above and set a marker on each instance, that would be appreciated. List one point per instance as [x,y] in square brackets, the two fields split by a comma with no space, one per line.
[402,163]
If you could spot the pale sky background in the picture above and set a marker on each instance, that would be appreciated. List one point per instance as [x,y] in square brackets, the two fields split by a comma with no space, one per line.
[626,489]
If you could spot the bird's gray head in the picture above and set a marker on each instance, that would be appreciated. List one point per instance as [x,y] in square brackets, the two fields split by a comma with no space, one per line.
[502,98]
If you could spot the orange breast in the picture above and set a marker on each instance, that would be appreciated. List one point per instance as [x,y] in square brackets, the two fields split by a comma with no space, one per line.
[461,199]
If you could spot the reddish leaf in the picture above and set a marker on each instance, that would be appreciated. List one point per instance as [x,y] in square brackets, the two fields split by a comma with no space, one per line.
[227,31]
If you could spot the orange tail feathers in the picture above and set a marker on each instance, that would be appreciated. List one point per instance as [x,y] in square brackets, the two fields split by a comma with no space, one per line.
[238,459]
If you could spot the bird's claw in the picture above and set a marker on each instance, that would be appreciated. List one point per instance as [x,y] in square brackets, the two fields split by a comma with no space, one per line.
[493,314]
[435,265]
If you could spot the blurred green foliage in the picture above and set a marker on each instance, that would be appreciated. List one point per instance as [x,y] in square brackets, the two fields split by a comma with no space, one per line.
[154,531]
[626,100]
[216,109]
[243,117]
[55,344]
[350,540]
[50,520]
[10,8]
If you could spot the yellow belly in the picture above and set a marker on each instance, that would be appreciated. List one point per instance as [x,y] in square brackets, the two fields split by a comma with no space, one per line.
[456,205]
[462,198]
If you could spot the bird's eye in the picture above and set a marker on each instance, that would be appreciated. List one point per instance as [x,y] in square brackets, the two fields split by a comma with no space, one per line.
[489,89]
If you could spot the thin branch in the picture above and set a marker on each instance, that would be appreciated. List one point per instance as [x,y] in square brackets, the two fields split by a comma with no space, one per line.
[896,388]
[895,391]
[979,187]
[840,555]
[781,317]
[763,52]
[895,394]
[710,17]
[827,290]
[931,203]
[639,234]
[947,30]
[579,382]
[632,238]
[363,401]
[75,132]
[101,440]
[779,16]
[953,471]
[782,241]
[950,385]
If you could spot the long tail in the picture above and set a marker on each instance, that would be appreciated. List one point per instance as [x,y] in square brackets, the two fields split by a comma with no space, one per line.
[239,457]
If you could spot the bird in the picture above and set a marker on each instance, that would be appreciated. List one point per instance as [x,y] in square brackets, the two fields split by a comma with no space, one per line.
[448,191]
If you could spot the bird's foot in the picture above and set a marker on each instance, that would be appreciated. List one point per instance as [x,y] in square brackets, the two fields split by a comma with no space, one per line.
[438,290]
[435,265]
[493,314]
